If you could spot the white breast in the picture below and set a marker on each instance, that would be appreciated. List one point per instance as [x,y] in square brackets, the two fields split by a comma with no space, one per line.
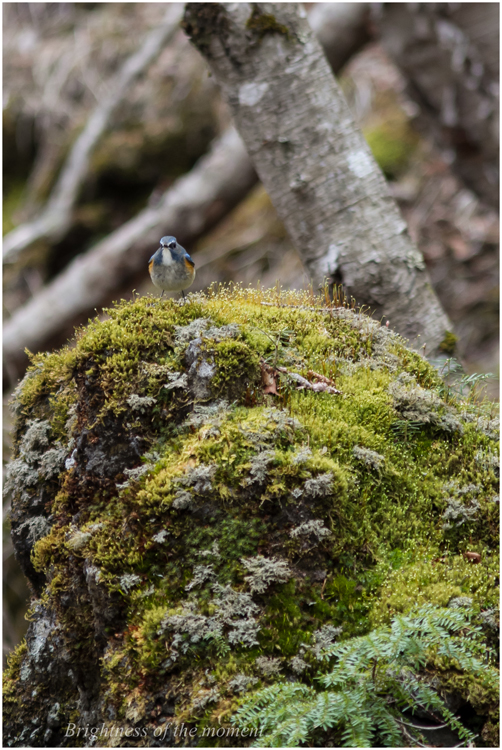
[167,258]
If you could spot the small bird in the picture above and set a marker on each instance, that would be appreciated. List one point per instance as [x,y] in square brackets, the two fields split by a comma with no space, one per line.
[171,268]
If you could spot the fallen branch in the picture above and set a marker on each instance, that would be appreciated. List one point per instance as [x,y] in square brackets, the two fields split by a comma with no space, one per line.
[269,380]
[303,383]
[321,378]
[56,217]
[341,28]
[192,205]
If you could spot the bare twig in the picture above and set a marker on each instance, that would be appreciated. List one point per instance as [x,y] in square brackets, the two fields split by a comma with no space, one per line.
[322,378]
[323,587]
[194,203]
[417,726]
[56,216]
[302,383]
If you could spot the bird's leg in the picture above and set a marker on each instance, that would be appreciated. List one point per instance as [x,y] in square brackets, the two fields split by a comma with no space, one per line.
[183,293]
[162,293]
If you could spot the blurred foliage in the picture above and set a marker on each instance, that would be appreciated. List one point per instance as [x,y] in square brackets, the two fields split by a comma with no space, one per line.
[393,142]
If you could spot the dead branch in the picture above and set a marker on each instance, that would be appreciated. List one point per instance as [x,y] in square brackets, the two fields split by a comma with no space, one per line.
[194,203]
[56,216]
[269,380]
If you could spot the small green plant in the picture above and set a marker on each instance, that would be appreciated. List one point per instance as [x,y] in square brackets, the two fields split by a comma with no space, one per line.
[448,370]
[457,383]
[283,338]
[472,383]
[376,679]
[404,429]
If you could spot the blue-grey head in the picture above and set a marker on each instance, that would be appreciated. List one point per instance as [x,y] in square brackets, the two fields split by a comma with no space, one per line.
[169,242]
[168,251]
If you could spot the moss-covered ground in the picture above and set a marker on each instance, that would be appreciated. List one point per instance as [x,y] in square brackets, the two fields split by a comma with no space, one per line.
[198,547]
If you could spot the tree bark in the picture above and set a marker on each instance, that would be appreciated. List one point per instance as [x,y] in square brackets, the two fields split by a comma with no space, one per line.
[314,162]
[448,52]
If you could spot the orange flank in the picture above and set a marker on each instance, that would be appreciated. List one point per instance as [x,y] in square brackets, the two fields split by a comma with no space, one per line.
[150,266]
[189,264]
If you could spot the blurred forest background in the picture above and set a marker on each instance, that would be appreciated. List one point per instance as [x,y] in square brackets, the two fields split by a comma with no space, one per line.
[107,106]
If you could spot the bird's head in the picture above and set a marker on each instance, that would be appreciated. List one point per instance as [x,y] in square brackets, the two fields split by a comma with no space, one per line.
[165,254]
[168,242]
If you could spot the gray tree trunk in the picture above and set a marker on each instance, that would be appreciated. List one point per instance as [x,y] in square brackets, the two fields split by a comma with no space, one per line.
[449,54]
[314,162]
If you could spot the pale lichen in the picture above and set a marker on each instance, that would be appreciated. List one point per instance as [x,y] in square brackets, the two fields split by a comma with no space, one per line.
[268,666]
[298,665]
[265,571]
[129,581]
[260,465]
[320,486]
[141,403]
[315,528]
[201,574]
[370,458]
[323,638]
[241,683]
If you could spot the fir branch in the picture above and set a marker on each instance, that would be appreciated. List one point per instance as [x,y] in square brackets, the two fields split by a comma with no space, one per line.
[374,679]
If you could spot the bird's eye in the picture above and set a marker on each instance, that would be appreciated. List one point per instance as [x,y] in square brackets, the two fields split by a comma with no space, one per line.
[172,245]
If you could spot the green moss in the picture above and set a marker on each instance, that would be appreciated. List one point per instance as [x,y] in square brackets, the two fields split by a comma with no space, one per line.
[262,24]
[12,202]
[392,142]
[50,547]
[199,487]
[47,375]
[482,696]
[477,691]
[11,673]
[449,343]
[437,580]
[235,361]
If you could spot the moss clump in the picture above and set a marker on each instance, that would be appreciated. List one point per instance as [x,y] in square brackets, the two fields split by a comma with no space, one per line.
[449,343]
[11,673]
[392,142]
[437,581]
[201,539]
[234,362]
[262,24]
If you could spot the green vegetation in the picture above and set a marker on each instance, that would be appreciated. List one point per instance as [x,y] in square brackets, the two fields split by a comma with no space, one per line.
[449,343]
[393,142]
[201,540]
[373,684]
[262,24]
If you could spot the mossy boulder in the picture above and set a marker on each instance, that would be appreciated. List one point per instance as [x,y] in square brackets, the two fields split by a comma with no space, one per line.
[206,493]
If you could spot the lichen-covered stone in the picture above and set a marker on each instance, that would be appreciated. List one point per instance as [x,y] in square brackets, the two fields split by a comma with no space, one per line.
[190,539]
